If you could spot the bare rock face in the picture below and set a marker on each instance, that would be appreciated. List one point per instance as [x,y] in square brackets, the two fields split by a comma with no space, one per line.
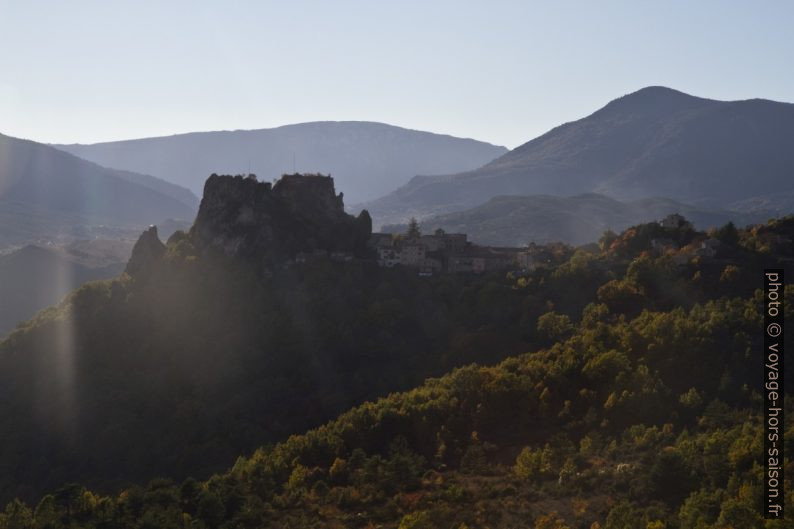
[243,218]
[148,250]
[240,216]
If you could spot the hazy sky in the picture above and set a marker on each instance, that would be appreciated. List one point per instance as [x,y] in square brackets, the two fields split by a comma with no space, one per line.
[504,72]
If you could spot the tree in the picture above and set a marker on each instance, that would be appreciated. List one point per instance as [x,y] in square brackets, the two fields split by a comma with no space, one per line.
[554,327]
[728,234]
[550,521]
[670,477]
[17,516]
[68,497]
[416,520]
[210,509]
[474,460]
[620,296]
[606,240]
[736,513]
[701,508]
[413,229]
[46,514]
[730,274]
[624,515]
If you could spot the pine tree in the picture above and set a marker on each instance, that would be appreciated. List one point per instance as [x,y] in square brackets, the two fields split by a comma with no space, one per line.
[413,229]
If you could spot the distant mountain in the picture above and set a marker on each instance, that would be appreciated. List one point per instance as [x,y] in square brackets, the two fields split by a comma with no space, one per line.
[46,194]
[581,219]
[182,194]
[366,159]
[653,142]
[34,277]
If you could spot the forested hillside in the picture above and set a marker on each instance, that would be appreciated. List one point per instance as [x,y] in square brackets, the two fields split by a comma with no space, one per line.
[193,356]
[33,278]
[637,407]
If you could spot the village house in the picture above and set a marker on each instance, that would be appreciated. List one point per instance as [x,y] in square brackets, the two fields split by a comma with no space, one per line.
[525,261]
[412,253]
[441,251]
[460,264]
[675,220]
[710,248]
[388,257]
[661,245]
[303,257]
[533,256]
[446,242]
[341,257]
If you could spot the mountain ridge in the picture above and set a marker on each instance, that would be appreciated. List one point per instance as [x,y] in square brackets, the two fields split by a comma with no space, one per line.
[653,142]
[515,220]
[287,125]
[367,158]
[45,192]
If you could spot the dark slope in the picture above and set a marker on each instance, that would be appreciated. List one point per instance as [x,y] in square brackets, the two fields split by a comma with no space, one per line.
[366,159]
[46,192]
[641,412]
[214,343]
[33,277]
[653,142]
[580,219]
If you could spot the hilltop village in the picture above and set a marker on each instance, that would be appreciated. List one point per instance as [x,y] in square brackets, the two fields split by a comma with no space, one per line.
[452,253]
[301,218]
[442,252]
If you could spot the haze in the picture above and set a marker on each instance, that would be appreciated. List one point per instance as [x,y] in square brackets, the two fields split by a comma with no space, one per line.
[500,72]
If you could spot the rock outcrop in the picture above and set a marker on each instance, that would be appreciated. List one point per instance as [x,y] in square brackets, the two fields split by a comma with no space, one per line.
[148,249]
[242,217]
[270,224]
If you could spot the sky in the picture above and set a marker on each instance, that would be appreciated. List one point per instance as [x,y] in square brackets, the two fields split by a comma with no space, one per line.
[498,71]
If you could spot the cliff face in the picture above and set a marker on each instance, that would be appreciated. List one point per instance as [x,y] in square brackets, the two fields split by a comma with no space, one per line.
[241,217]
[147,250]
[299,213]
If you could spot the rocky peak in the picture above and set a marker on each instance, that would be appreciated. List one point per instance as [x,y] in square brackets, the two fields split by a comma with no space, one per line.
[148,249]
[310,192]
[240,216]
